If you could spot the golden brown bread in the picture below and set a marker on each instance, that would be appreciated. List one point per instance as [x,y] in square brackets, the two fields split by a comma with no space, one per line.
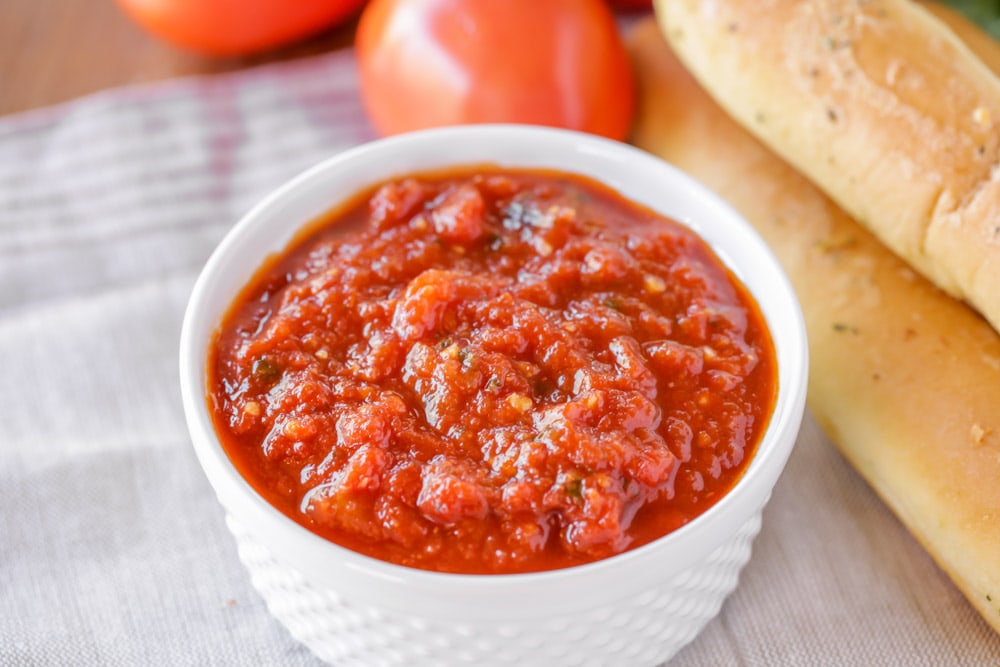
[877,102]
[905,379]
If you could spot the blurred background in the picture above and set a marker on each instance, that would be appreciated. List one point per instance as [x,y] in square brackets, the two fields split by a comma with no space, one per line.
[55,50]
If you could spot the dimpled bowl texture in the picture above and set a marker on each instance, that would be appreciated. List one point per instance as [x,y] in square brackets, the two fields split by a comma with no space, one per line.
[637,608]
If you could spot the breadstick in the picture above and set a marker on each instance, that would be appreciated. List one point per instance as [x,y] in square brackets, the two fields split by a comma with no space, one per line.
[878,103]
[904,379]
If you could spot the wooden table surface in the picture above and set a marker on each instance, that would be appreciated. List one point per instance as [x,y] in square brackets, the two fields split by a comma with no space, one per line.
[54,50]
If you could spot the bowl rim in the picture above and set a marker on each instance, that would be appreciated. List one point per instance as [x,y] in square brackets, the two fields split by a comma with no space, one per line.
[313,555]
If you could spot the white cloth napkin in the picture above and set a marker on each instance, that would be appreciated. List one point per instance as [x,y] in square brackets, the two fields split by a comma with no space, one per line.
[113,550]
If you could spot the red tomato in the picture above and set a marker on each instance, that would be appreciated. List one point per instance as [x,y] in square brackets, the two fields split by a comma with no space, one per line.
[236,27]
[425,63]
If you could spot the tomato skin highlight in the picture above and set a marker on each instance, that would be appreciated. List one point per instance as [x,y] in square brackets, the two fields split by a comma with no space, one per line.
[561,63]
[236,27]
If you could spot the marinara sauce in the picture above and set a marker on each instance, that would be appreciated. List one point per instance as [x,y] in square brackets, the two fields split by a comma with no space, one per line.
[493,371]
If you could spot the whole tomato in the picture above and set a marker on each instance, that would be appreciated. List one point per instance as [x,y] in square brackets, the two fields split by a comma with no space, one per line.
[425,63]
[236,27]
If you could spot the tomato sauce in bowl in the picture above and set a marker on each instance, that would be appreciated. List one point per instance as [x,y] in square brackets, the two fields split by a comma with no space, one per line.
[492,371]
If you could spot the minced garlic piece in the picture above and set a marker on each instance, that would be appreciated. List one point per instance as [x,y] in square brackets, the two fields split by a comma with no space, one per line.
[543,247]
[520,402]
[654,284]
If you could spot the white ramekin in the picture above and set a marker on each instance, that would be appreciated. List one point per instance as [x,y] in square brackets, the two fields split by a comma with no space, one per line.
[636,608]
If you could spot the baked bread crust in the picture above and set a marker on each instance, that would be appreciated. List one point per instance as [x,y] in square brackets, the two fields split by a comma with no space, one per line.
[881,105]
[904,379]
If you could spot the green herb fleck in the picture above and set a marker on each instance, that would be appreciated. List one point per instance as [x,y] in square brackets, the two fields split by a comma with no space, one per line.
[840,327]
[613,303]
[266,371]
[574,488]
[542,386]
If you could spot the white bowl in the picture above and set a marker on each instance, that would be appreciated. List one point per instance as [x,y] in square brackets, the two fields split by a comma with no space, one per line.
[639,607]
